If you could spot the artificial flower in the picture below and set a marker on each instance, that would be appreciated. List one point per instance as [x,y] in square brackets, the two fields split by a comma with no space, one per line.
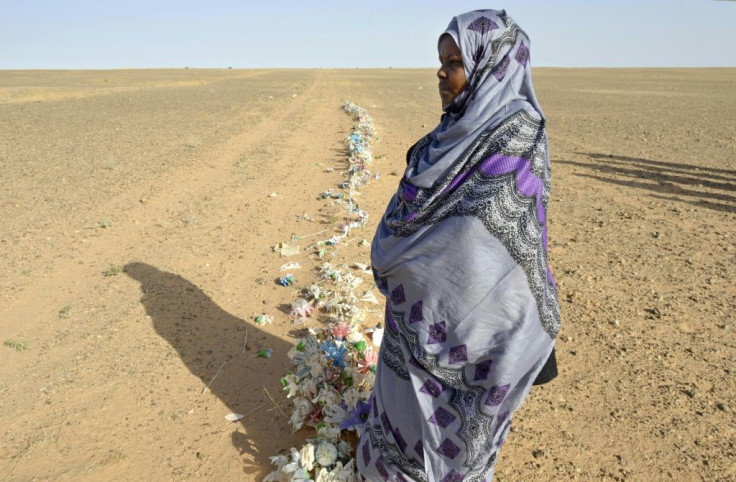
[300,309]
[341,330]
[369,361]
[307,456]
[326,454]
[302,408]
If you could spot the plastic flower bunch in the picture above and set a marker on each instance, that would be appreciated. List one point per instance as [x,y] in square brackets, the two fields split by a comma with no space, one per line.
[332,376]
[359,145]
[333,368]
[328,463]
[301,309]
[365,123]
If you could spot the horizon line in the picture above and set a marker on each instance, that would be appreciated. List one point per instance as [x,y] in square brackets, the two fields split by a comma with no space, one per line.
[354,68]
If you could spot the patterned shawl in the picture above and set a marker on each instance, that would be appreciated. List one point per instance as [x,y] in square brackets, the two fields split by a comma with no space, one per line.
[461,254]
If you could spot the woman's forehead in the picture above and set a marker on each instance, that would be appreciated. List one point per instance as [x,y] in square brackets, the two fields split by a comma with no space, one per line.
[448,43]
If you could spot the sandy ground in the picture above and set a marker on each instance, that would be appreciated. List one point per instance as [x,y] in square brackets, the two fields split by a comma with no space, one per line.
[169,175]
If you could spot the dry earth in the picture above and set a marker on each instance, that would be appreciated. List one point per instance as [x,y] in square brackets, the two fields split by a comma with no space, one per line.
[168,175]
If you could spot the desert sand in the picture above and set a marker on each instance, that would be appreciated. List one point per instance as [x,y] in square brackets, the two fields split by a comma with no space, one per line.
[140,209]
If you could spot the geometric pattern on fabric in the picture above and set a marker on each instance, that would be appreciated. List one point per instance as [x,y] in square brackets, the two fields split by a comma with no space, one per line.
[496,395]
[366,453]
[397,295]
[381,467]
[475,425]
[458,354]
[442,417]
[391,352]
[482,25]
[482,370]
[448,448]
[437,333]
[522,56]
[499,71]
[419,449]
[511,211]
[399,440]
[452,476]
[415,314]
[391,453]
[385,423]
[432,387]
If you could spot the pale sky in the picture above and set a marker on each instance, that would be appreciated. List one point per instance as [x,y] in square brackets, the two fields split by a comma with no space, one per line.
[102,34]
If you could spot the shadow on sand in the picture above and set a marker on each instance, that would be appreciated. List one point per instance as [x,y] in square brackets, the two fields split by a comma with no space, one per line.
[700,186]
[209,338]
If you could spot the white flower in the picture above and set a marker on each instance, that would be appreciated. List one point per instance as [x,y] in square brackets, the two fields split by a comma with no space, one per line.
[335,414]
[354,336]
[327,396]
[326,454]
[301,475]
[344,448]
[309,387]
[307,456]
[339,473]
[302,408]
[323,476]
[277,475]
[347,473]
[329,432]
[352,397]
[292,385]
[314,363]
[279,461]
[294,464]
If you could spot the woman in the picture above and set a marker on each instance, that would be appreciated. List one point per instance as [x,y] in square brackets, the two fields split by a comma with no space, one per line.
[461,255]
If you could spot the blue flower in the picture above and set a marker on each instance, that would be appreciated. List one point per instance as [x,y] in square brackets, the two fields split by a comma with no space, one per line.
[335,352]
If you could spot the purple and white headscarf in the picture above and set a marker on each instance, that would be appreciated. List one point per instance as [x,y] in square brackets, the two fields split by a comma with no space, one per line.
[461,255]
[495,54]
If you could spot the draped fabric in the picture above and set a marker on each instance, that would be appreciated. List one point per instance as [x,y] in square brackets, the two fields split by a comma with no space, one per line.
[461,255]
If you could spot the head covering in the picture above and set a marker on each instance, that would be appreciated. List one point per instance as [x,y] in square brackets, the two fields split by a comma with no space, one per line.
[461,256]
[495,55]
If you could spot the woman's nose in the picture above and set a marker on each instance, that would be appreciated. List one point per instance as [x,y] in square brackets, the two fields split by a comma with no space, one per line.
[441,73]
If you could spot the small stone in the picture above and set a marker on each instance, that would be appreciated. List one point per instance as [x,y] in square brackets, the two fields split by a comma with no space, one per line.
[538,453]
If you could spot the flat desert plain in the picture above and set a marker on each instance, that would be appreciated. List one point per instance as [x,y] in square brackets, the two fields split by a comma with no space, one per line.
[139,214]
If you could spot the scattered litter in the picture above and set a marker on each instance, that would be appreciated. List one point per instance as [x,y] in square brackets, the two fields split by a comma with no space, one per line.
[233,417]
[287,266]
[273,194]
[297,238]
[263,319]
[364,268]
[375,334]
[287,250]
[363,242]
[300,310]
[369,297]
[265,353]
[287,280]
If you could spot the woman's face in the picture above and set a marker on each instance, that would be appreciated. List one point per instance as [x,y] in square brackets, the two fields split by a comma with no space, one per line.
[451,72]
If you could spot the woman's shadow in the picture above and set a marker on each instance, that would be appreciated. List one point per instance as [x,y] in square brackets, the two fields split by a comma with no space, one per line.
[210,342]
